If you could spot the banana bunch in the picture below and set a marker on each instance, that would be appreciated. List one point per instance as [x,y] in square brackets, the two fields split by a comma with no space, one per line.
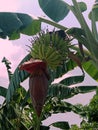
[50,48]
[60,44]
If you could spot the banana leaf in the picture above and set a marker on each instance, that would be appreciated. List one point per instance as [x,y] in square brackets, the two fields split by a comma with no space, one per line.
[17,78]
[57,9]
[12,24]
[3,91]
[63,92]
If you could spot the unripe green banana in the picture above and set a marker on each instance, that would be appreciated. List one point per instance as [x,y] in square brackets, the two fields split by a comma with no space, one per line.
[49,48]
[42,51]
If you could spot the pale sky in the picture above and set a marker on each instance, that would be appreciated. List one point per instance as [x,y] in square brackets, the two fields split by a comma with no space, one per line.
[15,51]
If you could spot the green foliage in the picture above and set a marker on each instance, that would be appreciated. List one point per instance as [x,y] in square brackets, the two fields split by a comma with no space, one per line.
[7,63]
[62,125]
[62,91]
[89,66]
[85,126]
[72,80]
[55,9]
[12,115]
[74,127]
[17,111]
[3,91]
[18,77]
[94,12]
[12,24]
[66,66]
[89,114]
[84,35]
[88,126]
[93,109]
[19,106]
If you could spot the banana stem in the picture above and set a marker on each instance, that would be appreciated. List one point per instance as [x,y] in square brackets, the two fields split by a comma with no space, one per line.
[52,23]
[94,28]
[38,122]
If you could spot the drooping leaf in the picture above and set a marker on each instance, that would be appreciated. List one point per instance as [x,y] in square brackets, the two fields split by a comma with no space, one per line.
[79,34]
[44,127]
[63,92]
[91,69]
[72,80]
[86,89]
[62,125]
[32,28]
[55,9]
[3,91]
[18,77]
[12,24]
[75,31]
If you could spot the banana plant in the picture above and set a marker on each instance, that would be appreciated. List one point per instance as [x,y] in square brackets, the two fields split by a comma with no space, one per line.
[12,24]
[52,53]
[86,37]
[40,59]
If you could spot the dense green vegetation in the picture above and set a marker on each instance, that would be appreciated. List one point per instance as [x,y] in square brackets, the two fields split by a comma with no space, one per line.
[17,111]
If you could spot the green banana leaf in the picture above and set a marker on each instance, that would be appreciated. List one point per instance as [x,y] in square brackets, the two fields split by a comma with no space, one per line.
[62,125]
[80,35]
[90,68]
[57,9]
[44,127]
[3,91]
[17,78]
[63,92]
[72,80]
[12,24]
[8,63]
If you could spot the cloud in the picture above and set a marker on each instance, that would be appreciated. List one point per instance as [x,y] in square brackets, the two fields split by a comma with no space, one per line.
[10,5]
[12,52]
